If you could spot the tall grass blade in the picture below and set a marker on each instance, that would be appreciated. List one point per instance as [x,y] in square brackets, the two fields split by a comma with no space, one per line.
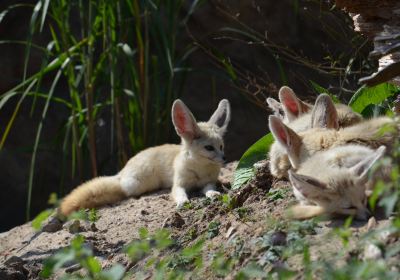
[37,139]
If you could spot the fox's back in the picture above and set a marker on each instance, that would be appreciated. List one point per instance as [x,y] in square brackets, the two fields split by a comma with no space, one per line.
[153,166]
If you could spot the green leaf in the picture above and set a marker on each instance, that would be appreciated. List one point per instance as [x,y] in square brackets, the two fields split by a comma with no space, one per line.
[258,151]
[194,250]
[37,222]
[116,272]
[93,265]
[371,95]
[321,89]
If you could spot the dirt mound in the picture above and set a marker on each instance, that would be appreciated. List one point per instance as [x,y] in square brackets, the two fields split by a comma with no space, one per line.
[245,228]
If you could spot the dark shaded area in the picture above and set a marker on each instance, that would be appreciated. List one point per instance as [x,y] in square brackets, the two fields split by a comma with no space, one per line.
[308,31]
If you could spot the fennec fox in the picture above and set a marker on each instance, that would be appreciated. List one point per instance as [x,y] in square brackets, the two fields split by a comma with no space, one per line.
[196,162]
[290,106]
[300,146]
[325,114]
[342,186]
[297,114]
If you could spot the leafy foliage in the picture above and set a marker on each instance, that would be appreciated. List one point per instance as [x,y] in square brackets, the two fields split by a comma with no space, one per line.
[117,58]
[366,97]
[79,253]
[40,218]
[256,152]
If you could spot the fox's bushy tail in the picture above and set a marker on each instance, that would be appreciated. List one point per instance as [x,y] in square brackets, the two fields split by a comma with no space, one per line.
[94,193]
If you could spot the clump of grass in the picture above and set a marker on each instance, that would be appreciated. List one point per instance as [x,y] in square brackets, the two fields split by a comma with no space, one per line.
[119,58]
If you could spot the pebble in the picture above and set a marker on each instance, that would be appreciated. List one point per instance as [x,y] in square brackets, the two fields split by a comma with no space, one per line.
[371,223]
[175,220]
[372,252]
[230,231]
[53,225]
[278,238]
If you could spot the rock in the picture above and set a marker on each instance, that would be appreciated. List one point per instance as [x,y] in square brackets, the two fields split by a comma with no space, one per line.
[175,221]
[372,252]
[73,226]
[53,225]
[14,269]
[230,231]
[14,260]
[371,223]
[93,227]
[278,238]
[9,274]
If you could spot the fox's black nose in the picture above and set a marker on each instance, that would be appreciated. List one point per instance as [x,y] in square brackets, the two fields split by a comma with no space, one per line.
[224,158]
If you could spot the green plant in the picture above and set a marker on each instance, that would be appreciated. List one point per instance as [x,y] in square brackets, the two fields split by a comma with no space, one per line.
[118,58]
[213,229]
[79,253]
[228,201]
[245,169]
[277,193]
[137,249]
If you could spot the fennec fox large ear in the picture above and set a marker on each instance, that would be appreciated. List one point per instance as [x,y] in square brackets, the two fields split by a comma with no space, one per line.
[222,115]
[184,122]
[324,113]
[287,138]
[361,169]
[292,106]
[309,187]
[275,106]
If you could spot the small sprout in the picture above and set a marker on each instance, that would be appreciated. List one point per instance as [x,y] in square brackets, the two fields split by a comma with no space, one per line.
[213,229]
[93,217]
[344,232]
[228,201]
[53,199]
[277,193]
[242,212]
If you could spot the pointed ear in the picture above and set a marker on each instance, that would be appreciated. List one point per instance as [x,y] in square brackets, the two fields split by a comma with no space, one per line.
[308,186]
[275,106]
[361,168]
[184,122]
[292,106]
[286,137]
[222,115]
[324,114]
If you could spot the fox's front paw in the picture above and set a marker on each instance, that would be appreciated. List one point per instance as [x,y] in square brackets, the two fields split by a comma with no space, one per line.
[212,194]
[181,202]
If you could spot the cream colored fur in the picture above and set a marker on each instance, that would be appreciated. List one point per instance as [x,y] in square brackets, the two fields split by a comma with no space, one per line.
[324,108]
[335,182]
[368,133]
[180,167]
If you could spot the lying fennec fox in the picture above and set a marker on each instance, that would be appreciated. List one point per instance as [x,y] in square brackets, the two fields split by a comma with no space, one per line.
[297,114]
[196,162]
[335,181]
[325,114]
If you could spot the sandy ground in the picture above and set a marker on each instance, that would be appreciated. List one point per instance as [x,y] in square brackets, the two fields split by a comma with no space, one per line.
[256,213]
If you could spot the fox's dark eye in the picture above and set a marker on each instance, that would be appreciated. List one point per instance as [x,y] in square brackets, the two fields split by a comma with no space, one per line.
[220,147]
[209,148]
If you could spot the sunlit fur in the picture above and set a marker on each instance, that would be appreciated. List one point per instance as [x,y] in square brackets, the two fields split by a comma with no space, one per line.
[279,161]
[180,167]
[334,182]
[368,132]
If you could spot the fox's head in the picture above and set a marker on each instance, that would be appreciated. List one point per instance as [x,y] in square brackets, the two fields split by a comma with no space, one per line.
[203,139]
[337,190]
[290,106]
